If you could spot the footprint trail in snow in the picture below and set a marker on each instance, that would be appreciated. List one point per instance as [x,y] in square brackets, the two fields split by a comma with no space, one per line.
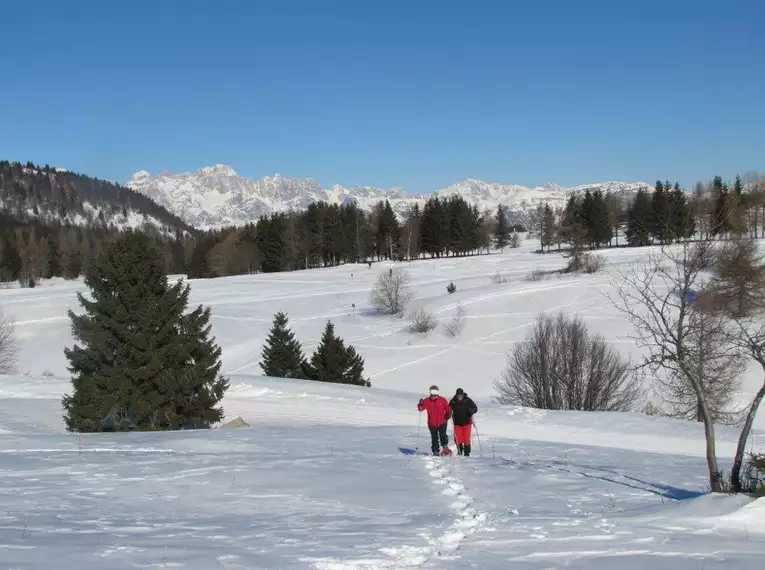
[467,521]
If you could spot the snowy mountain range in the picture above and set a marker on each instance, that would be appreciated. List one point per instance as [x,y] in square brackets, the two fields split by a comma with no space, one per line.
[217,196]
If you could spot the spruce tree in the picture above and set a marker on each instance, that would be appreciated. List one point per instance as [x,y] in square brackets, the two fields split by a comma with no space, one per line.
[333,362]
[681,218]
[720,222]
[600,222]
[10,258]
[502,229]
[141,362]
[548,227]
[282,354]
[661,227]
[639,220]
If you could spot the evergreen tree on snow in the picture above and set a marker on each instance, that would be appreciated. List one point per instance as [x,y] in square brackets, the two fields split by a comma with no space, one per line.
[282,354]
[720,222]
[333,362]
[640,218]
[548,227]
[141,362]
[502,229]
[661,224]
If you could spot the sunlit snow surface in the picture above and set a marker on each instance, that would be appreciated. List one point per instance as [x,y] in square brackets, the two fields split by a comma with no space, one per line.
[317,482]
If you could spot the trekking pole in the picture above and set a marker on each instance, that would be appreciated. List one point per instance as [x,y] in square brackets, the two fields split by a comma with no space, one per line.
[417,441]
[478,437]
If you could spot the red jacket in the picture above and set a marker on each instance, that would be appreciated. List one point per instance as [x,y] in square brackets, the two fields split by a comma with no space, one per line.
[438,409]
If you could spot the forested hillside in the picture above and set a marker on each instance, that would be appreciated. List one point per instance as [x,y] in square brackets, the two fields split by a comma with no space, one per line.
[53,222]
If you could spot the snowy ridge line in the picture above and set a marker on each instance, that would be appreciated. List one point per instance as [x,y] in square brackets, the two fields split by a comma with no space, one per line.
[444,546]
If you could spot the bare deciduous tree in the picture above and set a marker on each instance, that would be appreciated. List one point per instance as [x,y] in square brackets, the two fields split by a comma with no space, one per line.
[657,298]
[392,291]
[561,366]
[9,348]
[716,362]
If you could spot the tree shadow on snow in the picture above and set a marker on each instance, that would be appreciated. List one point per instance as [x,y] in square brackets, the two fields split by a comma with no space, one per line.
[660,489]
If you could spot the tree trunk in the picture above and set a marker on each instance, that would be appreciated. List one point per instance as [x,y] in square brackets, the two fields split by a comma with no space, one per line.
[735,475]
[709,434]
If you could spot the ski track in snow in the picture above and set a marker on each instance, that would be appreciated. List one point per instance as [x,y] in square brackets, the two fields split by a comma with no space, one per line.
[466,522]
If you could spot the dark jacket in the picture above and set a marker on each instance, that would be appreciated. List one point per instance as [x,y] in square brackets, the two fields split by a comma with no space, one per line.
[462,412]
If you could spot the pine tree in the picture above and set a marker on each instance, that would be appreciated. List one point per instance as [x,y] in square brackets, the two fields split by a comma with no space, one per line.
[600,228]
[10,260]
[681,218]
[141,362]
[333,362]
[720,222]
[639,220]
[502,230]
[548,227]
[282,354]
[661,227]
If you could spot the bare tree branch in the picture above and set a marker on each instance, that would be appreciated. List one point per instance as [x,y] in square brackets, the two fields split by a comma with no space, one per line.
[658,299]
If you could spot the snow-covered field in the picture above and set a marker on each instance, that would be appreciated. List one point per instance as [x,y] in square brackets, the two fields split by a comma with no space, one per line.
[317,482]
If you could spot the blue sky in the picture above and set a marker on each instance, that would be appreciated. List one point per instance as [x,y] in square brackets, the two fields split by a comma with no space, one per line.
[418,94]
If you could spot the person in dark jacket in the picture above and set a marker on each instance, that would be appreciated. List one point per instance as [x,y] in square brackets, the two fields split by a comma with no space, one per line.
[463,409]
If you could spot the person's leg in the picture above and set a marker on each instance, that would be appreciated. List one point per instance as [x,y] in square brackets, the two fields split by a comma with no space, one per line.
[433,440]
[458,439]
[466,438]
[444,436]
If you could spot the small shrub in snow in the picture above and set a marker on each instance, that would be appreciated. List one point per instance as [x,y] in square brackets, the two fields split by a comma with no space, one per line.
[536,275]
[454,327]
[9,348]
[498,279]
[392,291]
[562,366]
[451,288]
[592,263]
[422,322]
[584,263]
[753,475]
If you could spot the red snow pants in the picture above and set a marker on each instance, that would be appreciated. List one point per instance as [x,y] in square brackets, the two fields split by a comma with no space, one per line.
[462,434]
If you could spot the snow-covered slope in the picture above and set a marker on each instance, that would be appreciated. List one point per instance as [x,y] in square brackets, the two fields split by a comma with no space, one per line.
[316,481]
[215,196]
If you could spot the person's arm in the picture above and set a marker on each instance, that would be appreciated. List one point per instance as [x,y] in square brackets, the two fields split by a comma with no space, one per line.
[421,404]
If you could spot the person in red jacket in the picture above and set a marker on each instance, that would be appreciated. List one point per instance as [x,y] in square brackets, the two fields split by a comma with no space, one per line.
[439,413]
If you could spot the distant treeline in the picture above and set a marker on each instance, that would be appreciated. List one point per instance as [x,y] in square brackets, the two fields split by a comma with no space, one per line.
[326,235]
[39,237]
[667,215]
